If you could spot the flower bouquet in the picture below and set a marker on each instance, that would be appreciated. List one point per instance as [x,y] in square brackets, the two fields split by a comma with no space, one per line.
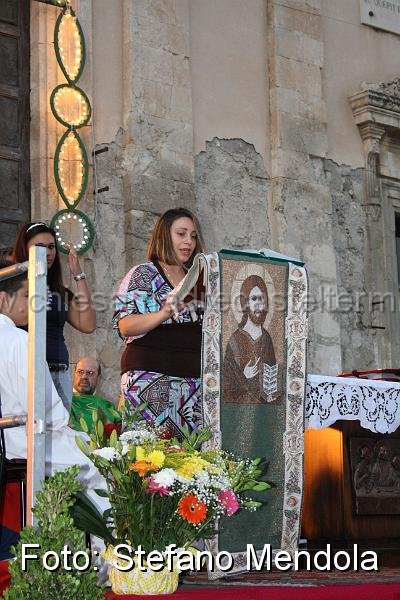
[163,494]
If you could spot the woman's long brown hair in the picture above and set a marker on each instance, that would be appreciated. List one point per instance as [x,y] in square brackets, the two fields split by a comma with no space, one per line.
[160,245]
[20,253]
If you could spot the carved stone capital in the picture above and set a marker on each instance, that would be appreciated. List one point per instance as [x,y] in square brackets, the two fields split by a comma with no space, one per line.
[371,135]
[391,88]
[376,111]
[377,105]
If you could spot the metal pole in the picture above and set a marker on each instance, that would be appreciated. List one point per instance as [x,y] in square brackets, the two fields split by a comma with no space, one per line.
[17,421]
[36,423]
[13,271]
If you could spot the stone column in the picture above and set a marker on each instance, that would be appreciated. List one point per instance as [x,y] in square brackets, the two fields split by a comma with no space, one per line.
[104,201]
[44,134]
[158,133]
[301,209]
[376,111]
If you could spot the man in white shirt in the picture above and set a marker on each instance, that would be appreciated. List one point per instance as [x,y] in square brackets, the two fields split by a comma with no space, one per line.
[61,448]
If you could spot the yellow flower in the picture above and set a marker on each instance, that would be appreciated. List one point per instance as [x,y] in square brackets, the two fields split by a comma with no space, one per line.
[192,466]
[156,457]
[140,453]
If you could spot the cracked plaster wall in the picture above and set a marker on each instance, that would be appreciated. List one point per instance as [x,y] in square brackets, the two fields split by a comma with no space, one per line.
[350,238]
[290,197]
[231,186]
[233,193]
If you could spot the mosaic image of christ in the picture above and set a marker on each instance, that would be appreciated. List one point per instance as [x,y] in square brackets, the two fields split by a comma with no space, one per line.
[250,366]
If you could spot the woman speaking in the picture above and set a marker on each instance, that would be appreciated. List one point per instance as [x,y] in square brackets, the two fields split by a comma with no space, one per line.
[161,362]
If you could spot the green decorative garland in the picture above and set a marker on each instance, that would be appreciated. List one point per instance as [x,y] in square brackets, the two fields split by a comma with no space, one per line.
[59,3]
[71,107]
[74,217]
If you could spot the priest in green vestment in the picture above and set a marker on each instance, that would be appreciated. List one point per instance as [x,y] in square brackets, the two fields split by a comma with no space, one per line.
[84,399]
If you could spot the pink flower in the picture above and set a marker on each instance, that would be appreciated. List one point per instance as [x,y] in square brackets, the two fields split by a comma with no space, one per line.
[154,488]
[229,501]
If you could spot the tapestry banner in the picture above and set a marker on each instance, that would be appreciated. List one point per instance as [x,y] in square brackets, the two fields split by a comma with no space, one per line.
[253,378]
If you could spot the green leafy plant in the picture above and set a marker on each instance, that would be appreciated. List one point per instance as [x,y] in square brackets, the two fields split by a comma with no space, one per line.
[55,530]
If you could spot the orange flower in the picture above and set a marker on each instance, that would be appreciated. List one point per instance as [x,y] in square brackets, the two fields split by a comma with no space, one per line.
[191,509]
[142,467]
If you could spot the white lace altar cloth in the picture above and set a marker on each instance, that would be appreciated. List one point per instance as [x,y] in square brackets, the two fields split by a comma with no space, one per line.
[376,404]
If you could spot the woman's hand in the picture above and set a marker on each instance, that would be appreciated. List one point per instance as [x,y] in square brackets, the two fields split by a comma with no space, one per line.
[171,308]
[139,324]
[73,261]
[81,313]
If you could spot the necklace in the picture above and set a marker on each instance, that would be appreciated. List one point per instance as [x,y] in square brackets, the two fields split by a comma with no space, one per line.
[49,299]
[173,278]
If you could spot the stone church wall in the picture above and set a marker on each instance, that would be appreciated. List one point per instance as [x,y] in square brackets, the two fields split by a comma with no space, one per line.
[257,137]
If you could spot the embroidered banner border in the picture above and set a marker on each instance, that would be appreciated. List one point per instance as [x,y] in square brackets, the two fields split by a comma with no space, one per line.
[296,328]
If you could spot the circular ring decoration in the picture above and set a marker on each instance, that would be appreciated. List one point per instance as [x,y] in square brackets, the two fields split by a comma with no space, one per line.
[69,45]
[70,106]
[72,226]
[71,168]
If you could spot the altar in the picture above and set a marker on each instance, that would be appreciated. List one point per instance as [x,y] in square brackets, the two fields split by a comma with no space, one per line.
[352,464]
[374,403]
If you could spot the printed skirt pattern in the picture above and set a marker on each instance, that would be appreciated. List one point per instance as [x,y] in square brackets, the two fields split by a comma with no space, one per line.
[172,402]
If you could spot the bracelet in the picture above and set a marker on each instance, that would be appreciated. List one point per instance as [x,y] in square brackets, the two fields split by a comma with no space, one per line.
[80,276]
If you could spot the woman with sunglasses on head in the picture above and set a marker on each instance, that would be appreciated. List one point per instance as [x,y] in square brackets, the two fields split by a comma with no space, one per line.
[161,362]
[62,305]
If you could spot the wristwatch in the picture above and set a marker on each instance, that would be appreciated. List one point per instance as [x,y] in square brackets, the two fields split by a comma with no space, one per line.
[80,276]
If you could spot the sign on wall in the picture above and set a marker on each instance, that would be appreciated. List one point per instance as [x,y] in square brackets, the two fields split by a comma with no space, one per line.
[382,14]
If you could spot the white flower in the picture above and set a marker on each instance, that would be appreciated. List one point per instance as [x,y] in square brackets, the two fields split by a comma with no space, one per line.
[165,477]
[138,436]
[204,480]
[107,453]
[124,449]
[128,436]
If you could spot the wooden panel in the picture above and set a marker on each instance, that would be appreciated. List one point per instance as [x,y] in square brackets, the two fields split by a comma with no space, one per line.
[383,529]
[9,60]
[8,231]
[10,183]
[14,118]
[328,504]
[9,11]
[10,135]
[322,518]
